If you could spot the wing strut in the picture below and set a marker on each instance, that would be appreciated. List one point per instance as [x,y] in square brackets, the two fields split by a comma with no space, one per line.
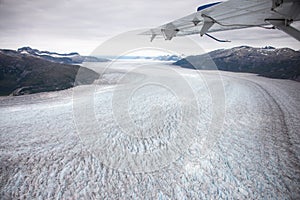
[214,38]
[206,25]
[169,31]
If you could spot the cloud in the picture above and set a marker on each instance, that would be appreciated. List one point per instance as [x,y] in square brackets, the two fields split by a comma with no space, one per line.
[73,25]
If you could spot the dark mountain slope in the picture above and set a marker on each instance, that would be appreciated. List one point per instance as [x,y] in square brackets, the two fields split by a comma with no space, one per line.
[25,74]
[270,62]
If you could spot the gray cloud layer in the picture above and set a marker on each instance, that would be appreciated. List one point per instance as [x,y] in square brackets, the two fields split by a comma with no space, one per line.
[73,25]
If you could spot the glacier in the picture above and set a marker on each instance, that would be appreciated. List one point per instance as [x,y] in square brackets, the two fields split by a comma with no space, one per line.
[47,151]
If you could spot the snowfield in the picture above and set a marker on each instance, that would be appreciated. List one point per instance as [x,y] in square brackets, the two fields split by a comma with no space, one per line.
[158,132]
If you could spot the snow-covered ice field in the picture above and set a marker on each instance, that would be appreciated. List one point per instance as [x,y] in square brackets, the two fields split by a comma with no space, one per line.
[48,150]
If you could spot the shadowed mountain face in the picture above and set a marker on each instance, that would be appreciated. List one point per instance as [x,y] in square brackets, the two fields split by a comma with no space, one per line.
[25,74]
[270,62]
[65,58]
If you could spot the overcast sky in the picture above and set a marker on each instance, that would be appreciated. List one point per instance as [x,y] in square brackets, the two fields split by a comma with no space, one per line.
[76,25]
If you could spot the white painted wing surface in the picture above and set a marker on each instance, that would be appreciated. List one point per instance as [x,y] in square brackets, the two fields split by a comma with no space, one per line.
[229,15]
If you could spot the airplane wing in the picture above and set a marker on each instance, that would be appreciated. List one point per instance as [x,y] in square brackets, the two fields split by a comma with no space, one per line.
[234,14]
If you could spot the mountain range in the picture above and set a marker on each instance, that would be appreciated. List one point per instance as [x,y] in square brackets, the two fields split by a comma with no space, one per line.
[26,73]
[268,61]
[28,70]
[155,58]
[65,58]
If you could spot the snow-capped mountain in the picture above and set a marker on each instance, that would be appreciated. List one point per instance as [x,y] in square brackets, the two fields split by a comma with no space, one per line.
[156,58]
[66,58]
[38,52]
[167,58]
[267,61]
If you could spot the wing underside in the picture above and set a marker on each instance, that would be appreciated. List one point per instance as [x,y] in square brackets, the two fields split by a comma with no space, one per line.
[229,15]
